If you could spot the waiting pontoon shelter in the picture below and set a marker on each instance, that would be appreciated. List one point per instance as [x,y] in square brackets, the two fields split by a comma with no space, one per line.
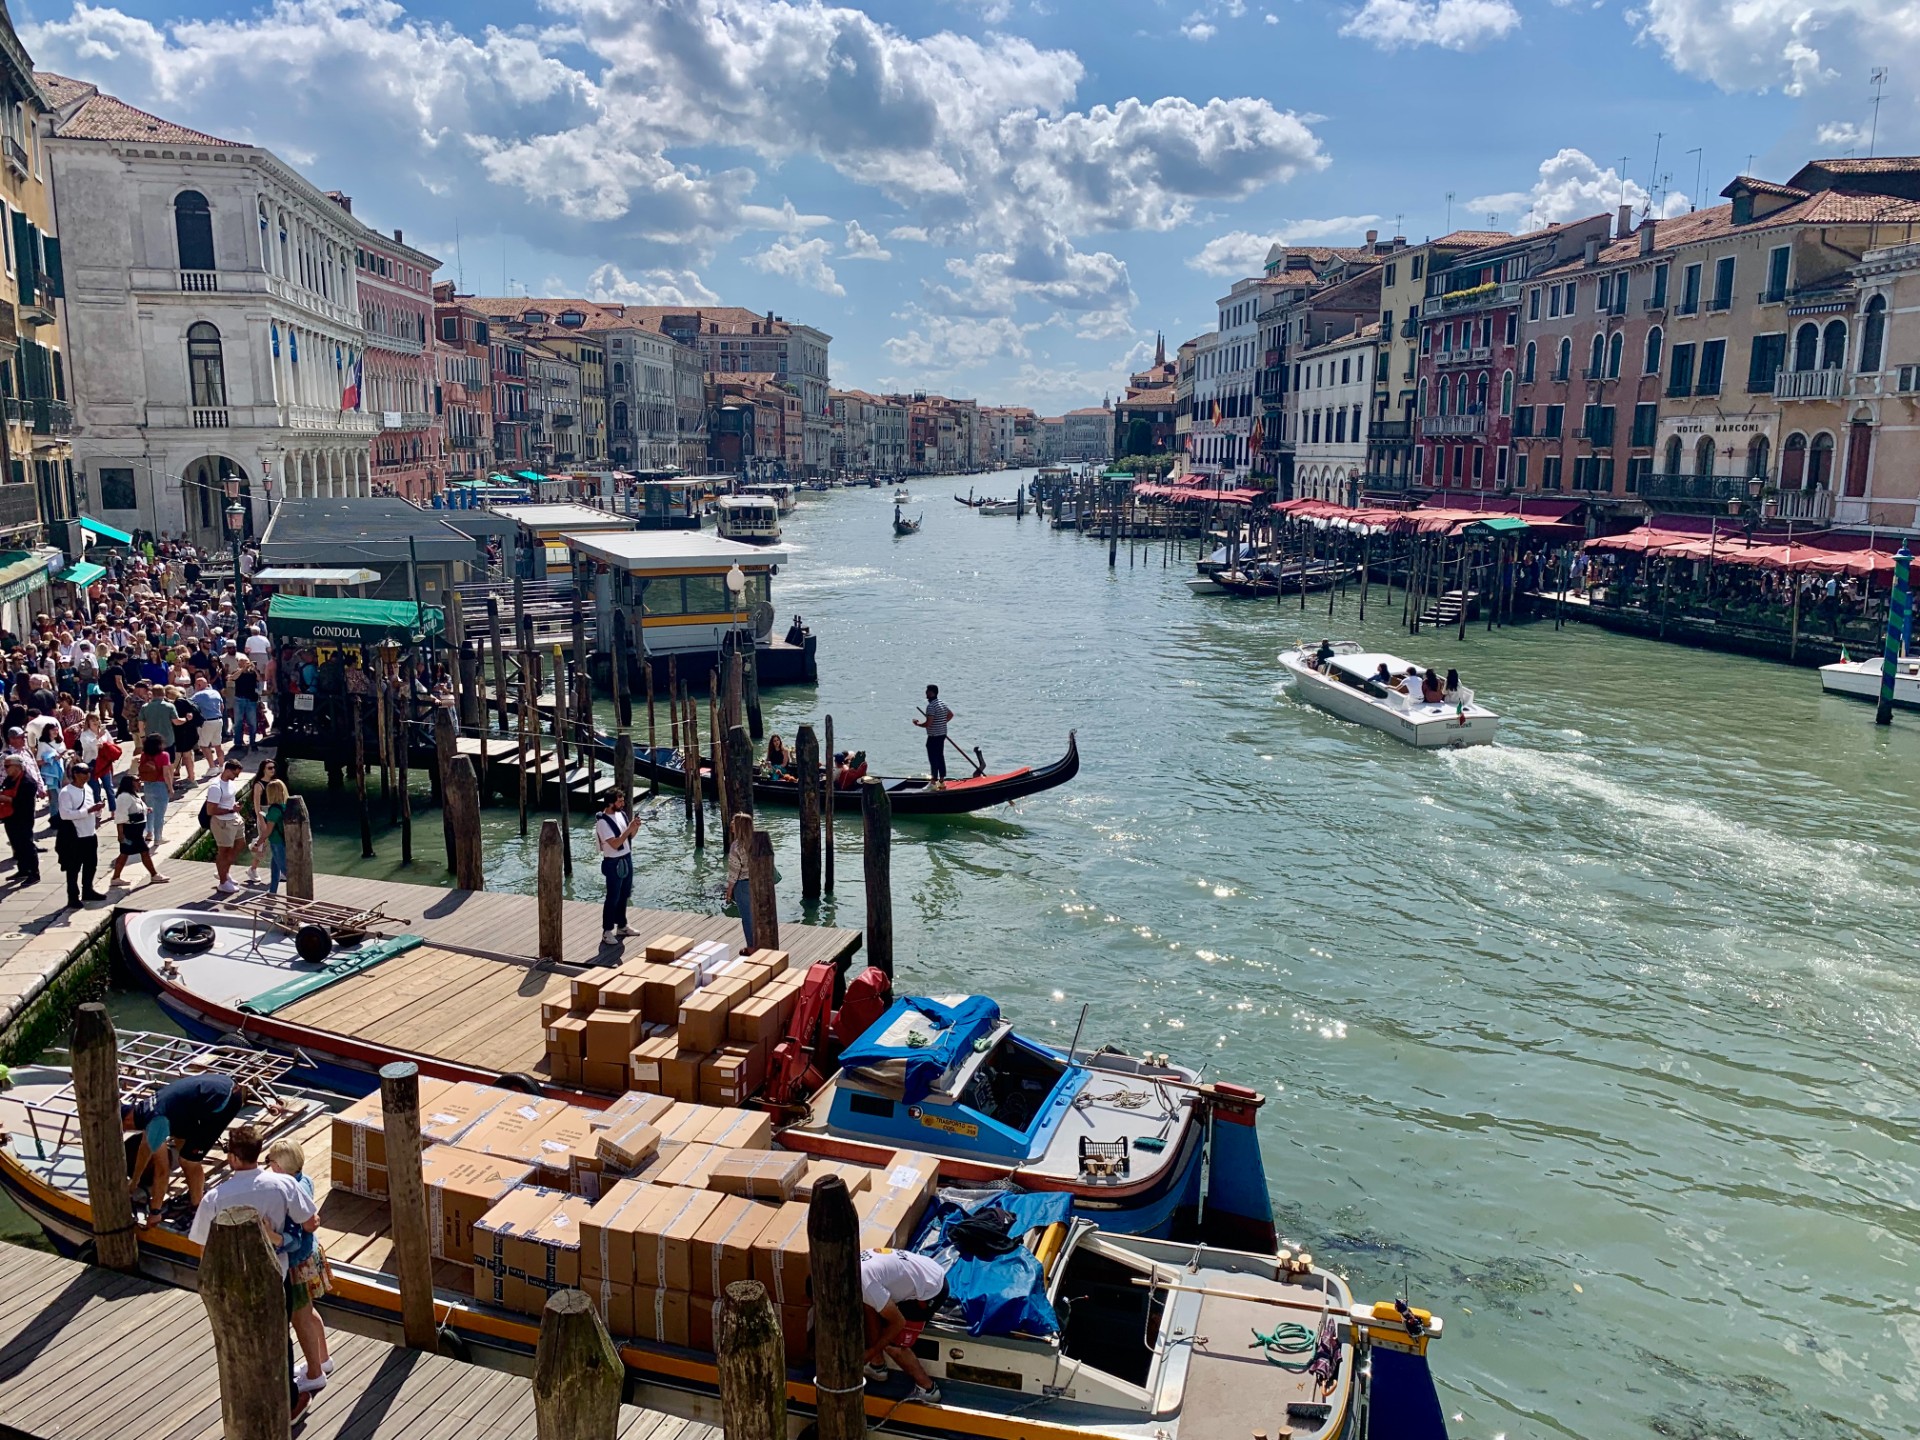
[380,533]
[543,532]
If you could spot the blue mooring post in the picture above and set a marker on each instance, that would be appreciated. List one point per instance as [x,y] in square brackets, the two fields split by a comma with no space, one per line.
[1899,628]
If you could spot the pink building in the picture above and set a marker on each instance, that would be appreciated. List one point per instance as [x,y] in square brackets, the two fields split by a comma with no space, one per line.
[395,286]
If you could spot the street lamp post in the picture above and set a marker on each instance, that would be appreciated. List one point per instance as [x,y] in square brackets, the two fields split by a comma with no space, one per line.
[1749,511]
[236,522]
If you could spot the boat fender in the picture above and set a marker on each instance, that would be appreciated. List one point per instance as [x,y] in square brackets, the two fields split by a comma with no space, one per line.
[189,937]
[237,1040]
[452,1344]
[519,1080]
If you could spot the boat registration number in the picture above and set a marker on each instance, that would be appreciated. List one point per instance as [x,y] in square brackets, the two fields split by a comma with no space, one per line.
[950,1127]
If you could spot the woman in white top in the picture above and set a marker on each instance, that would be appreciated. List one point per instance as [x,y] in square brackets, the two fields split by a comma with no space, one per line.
[613,836]
[90,737]
[739,891]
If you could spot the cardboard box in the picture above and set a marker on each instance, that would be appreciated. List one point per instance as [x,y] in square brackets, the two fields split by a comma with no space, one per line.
[901,1191]
[668,948]
[703,1019]
[877,1230]
[626,1148]
[663,1246]
[755,1021]
[611,1034]
[608,1235]
[606,1076]
[461,1187]
[660,1314]
[692,1165]
[646,1064]
[513,1129]
[758,1174]
[358,1140]
[796,1329]
[622,989]
[584,989]
[778,961]
[680,1073]
[552,1010]
[614,1303]
[634,1105]
[738,1129]
[737,988]
[723,1245]
[567,1070]
[731,1075]
[527,1246]
[684,1121]
[563,1141]
[856,1177]
[781,1257]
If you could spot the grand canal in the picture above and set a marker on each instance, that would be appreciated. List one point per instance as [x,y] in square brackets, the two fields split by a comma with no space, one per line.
[1600,1041]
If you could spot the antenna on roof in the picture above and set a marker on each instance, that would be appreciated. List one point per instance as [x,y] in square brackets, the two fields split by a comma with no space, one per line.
[1449,229]
[1493,219]
[1879,82]
[459,269]
[1699,164]
[1623,179]
[1653,180]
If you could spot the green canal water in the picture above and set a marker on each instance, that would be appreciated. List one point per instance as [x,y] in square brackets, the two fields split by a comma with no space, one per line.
[1600,1041]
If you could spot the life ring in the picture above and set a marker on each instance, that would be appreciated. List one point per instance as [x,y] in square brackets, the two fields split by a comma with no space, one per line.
[188,937]
[313,943]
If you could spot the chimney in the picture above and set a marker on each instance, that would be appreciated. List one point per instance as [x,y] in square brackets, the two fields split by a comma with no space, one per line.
[1646,235]
[398,238]
[1593,252]
[1623,223]
[1372,236]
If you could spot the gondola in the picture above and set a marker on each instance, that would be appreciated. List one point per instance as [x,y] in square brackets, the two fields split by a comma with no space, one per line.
[969,501]
[909,795]
[904,526]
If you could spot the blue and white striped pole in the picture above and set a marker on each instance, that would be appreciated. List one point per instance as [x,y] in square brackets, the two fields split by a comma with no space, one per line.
[1899,629]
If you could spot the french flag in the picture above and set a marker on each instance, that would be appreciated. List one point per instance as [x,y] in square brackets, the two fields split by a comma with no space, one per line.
[350,397]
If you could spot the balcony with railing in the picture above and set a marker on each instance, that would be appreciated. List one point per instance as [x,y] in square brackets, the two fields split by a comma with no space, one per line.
[1695,488]
[19,507]
[1389,430]
[1826,384]
[1477,297]
[207,417]
[50,417]
[1466,355]
[16,409]
[1452,425]
[17,158]
[199,282]
[1815,504]
[405,420]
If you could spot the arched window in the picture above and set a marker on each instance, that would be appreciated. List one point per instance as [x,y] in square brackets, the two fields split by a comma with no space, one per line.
[1565,367]
[206,373]
[1506,393]
[1614,346]
[1820,463]
[1793,462]
[1422,406]
[285,258]
[1806,347]
[1526,370]
[1672,466]
[266,243]
[1873,334]
[1655,343]
[1757,456]
[1480,394]
[193,230]
[620,415]
[1446,393]
[1703,456]
[1596,357]
[1833,345]
[619,373]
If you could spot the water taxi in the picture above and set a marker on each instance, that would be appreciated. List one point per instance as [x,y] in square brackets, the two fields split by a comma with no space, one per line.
[1083,1335]
[779,491]
[1860,679]
[750,519]
[1347,686]
[903,496]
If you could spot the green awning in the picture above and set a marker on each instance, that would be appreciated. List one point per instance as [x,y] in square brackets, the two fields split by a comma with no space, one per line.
[82,574]
[23,571]
[1498,525]
[367,622]
[105,531]
[531,476]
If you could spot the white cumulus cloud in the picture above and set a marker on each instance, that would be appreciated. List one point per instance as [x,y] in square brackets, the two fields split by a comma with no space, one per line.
[1198,30]
[1448,24]
[802,261]
[1795,45]
[1570,186]
[650,287]
[863,245]
[1243,252]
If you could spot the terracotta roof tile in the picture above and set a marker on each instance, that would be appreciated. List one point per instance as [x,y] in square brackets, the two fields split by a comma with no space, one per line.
[1473,239]
[102,117]
[1878,165]
[1764,187]
[1826,207]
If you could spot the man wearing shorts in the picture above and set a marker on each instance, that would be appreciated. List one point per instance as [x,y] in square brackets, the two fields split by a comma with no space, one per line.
[901,1291]
[183,1120]
[228,825]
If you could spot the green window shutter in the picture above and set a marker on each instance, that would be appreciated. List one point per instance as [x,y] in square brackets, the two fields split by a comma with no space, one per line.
[23,255]
[56,278]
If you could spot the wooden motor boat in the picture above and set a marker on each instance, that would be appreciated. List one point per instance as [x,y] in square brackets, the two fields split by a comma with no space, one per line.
[909,795]
[1860,679]
[1346,686]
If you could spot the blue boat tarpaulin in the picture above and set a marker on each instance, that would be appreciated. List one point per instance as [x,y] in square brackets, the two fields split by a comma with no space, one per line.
[917,1041]
[1003,1294]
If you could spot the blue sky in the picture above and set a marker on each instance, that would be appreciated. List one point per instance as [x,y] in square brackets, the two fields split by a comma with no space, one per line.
[997,198]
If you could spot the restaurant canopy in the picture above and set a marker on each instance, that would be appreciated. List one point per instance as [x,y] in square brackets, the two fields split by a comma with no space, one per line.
[1428,520]
[369,622]
[1793,556]
[83,574]
[1196,494]
[104,530]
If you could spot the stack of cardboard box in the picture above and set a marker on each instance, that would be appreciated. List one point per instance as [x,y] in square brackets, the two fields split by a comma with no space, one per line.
[691,1021]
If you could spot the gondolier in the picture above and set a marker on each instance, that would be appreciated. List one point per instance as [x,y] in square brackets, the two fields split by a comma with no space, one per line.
[934,722]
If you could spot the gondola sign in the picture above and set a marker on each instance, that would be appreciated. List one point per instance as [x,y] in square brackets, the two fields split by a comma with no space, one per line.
[348,623]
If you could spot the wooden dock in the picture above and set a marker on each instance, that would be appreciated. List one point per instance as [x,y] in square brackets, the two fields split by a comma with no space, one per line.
[97,1355]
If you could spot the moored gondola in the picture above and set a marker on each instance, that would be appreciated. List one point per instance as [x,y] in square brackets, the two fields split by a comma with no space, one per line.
[909,795]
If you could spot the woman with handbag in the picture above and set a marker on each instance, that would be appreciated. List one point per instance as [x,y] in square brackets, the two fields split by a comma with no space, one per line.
[18,792]
[130,817]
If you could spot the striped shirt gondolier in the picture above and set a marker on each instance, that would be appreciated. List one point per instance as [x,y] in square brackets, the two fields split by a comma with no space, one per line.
[937,717]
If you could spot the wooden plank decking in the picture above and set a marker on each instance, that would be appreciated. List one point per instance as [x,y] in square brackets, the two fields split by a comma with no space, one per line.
[96,1355]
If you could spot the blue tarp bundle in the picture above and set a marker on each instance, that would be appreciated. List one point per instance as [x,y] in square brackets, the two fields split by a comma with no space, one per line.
[908,1072]
[1007,1294]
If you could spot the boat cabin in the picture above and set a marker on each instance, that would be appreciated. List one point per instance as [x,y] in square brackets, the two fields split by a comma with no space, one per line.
[956,1079]
[543,530]
[675,588]
[778,491]
[753,519]
[671,503]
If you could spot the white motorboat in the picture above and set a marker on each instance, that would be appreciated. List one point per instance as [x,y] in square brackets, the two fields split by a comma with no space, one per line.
[754,519]
[1348,686]
[997,507]
[903,496]
[1861,680]
[1204,585]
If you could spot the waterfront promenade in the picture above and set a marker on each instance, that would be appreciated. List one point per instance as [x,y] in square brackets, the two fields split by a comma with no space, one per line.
[96,1355]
